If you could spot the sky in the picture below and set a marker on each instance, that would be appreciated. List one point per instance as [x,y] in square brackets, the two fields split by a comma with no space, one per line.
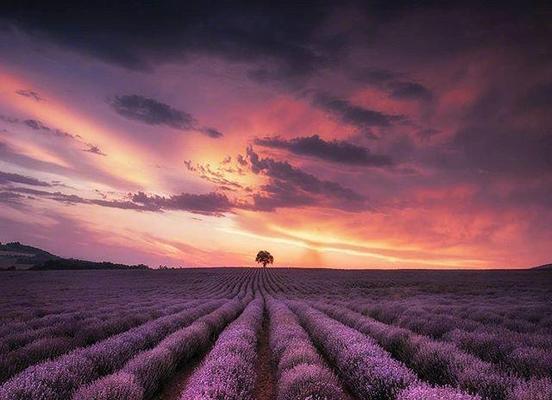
[332,134]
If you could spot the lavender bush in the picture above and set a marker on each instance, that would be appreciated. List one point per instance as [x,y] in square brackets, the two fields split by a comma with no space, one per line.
[425,392]
[436,362]
[58,379]
[150,368]
[369,371]
[301,372]
[382,335]
[228,372]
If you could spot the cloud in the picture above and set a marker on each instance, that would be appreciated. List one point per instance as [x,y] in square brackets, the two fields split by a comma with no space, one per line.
[280,194]
[37,125]
[8,119]
[336,151]
[218,175]
[213,203]
[6,177]
[409,91]
[212,132]
[354,115]
[30,94]
[94,150]
[241,160]
[291,186]
[285,186]
[10,198]
[315,38]
[396,85]
[140,38]
[153,112]
[208,204]
[40,126]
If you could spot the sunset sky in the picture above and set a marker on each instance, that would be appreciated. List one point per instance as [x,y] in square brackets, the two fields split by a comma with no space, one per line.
[343,135]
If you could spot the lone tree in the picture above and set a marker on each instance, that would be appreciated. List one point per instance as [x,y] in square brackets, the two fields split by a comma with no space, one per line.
[264,257]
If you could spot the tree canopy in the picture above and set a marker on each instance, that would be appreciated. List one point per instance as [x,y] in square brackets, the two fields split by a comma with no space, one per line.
[264,257]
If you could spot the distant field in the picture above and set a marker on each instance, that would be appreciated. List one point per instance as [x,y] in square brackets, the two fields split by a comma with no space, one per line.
[275,334]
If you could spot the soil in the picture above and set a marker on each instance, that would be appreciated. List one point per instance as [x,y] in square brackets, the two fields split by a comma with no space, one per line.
[265,388]
[172,389]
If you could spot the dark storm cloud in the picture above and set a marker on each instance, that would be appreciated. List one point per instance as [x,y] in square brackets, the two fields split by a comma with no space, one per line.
[290,187]
[352,114]
[6,177]
[337,151]
[153,112]
[137,36]
[30,94]
[284,41]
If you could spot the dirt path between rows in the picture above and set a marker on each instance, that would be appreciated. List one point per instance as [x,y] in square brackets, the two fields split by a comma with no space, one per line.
[265,388]
[172,389]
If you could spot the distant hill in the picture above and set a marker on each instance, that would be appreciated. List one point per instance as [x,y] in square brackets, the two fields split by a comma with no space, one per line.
[75,264]
[17,256]
[545,267]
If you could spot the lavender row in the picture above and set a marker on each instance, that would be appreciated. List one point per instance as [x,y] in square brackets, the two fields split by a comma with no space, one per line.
[526,354]
[142,376]
[511,351]
[435,362]
[79,310]
[24,296]
[76,323]
[368,371]
[228,372]
[437,321]
[57,379]
[301,372]
[54,345]
[444,313]
[425,392]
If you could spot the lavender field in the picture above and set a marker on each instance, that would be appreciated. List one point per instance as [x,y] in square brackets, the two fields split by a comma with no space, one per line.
[275,334]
